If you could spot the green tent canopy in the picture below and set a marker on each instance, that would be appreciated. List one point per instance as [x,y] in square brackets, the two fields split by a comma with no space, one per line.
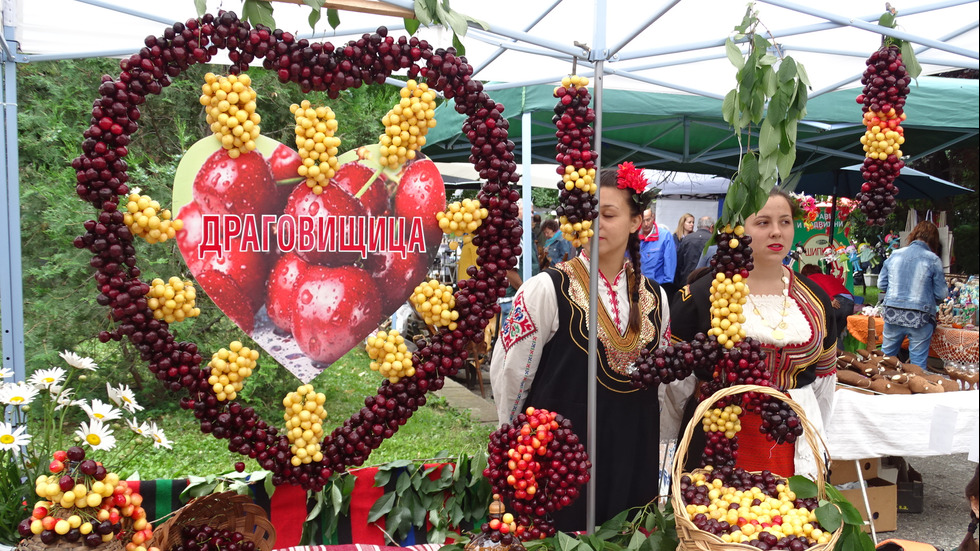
[687,133]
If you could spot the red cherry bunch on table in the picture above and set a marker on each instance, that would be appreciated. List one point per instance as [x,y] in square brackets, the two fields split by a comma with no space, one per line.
[540,451]
[886,85]
[102,179]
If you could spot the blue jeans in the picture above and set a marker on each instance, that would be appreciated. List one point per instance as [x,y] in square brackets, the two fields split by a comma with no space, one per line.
[893,335]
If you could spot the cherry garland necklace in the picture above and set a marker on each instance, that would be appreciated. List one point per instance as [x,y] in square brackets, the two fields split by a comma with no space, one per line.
[776,330]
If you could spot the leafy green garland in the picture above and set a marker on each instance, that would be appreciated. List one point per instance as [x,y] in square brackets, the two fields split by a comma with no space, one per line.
[427,13]
[766,104]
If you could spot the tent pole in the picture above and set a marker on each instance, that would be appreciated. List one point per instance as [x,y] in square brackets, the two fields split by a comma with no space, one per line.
[597,55]
[11,278]
[529,246]
[833,206]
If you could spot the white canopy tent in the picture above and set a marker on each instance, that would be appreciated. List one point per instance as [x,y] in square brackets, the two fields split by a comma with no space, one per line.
[664,45]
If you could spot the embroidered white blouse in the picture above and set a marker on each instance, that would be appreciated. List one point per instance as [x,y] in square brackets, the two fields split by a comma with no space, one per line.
[514,364]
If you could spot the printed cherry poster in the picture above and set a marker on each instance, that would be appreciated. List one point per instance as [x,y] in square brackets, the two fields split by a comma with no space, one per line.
[308,276]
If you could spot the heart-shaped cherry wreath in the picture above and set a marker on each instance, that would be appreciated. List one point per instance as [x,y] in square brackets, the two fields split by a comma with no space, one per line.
[102,179]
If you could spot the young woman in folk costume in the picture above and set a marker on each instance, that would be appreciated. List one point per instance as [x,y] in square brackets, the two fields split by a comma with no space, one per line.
[788,315]
[541,356]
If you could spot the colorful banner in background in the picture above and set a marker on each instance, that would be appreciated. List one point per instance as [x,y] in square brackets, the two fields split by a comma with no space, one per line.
[815,247]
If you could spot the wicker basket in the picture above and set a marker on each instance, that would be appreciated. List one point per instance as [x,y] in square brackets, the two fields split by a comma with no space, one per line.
[690,536]
[34,543]
[227,511]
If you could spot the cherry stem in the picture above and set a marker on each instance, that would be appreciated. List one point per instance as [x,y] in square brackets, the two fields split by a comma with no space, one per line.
[367,184]
[290,181]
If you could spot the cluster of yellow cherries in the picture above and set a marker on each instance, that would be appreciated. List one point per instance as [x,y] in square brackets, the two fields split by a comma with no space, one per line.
[728,297]
[172,301]
[884,135]
[390,355]
[316,143]
[436,304]
[461,219]
[146,219]
[229,369]
[230,104]
[776,515]
[723,420]
[407,123]
[304,424]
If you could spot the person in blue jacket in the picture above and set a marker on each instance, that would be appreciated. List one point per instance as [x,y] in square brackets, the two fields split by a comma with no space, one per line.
[913,283]
[658,253]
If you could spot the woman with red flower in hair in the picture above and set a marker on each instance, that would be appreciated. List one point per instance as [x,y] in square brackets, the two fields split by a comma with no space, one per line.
[541,356]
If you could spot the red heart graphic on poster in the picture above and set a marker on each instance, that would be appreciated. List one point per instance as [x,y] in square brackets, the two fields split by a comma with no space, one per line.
[307,276]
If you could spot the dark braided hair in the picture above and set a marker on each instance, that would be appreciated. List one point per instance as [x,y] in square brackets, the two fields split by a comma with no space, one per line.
[972,491]
[608,179]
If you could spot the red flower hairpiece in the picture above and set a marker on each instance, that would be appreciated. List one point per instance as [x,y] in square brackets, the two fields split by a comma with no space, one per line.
[630,177]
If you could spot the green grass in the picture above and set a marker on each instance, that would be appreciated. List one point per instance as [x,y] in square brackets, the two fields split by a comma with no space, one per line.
[433,430]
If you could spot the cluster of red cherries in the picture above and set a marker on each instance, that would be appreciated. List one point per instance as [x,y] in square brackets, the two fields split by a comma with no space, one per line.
[209,538]
[102,179]
[541,450]
[674,362]
[886,85]
[578,202]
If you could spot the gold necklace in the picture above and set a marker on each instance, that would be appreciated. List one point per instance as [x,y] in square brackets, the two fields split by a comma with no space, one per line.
[776,330]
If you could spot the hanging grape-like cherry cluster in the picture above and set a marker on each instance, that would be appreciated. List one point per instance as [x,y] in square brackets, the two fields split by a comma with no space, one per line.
[539,450]
[576,159]
[102,180]
[674,363]
[886,84]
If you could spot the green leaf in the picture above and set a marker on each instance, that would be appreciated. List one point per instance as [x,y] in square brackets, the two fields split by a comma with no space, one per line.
[457,22]
[315,4]
[768,60]
[776,112]
[258,12]
[201,6]
[333,18]
[728,106]
[887,19]
[850,513]
[769,81]
[336,498]
[566,542]
[396,522]
[270,486]
[382,476]
[801,97]
[760,44]
[734,54]
[833,494]
[636,540]
[398,464]
[460,49]
[317,507]
[404,481]
[801,71]
[768,138]
[482,24]
[785,162]
[803,487]
[758,105]
[828,516]
[314,18]
[381,507]
[911,63]
[787,70]
[423,13]
[411,25]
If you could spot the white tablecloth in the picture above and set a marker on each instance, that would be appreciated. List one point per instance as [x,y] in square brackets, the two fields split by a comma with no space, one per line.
[863,425]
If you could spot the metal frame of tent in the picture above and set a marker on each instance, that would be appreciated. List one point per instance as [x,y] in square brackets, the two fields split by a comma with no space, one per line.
[597,56]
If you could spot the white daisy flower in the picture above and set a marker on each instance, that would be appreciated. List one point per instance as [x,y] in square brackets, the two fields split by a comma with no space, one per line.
[12,438]
[141,429]
[46,378]
[159,439]
[100,410]
[17,395]
[96,435]
[64,399]
[124,397]
[78,362]
[6,373]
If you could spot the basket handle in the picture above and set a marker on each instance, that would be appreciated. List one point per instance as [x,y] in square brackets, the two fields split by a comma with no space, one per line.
[809,432]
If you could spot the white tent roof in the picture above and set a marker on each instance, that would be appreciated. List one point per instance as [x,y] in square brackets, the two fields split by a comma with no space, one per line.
[674,45]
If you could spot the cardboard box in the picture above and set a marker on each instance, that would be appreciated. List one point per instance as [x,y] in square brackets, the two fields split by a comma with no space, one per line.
[842,472]
[883,499]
